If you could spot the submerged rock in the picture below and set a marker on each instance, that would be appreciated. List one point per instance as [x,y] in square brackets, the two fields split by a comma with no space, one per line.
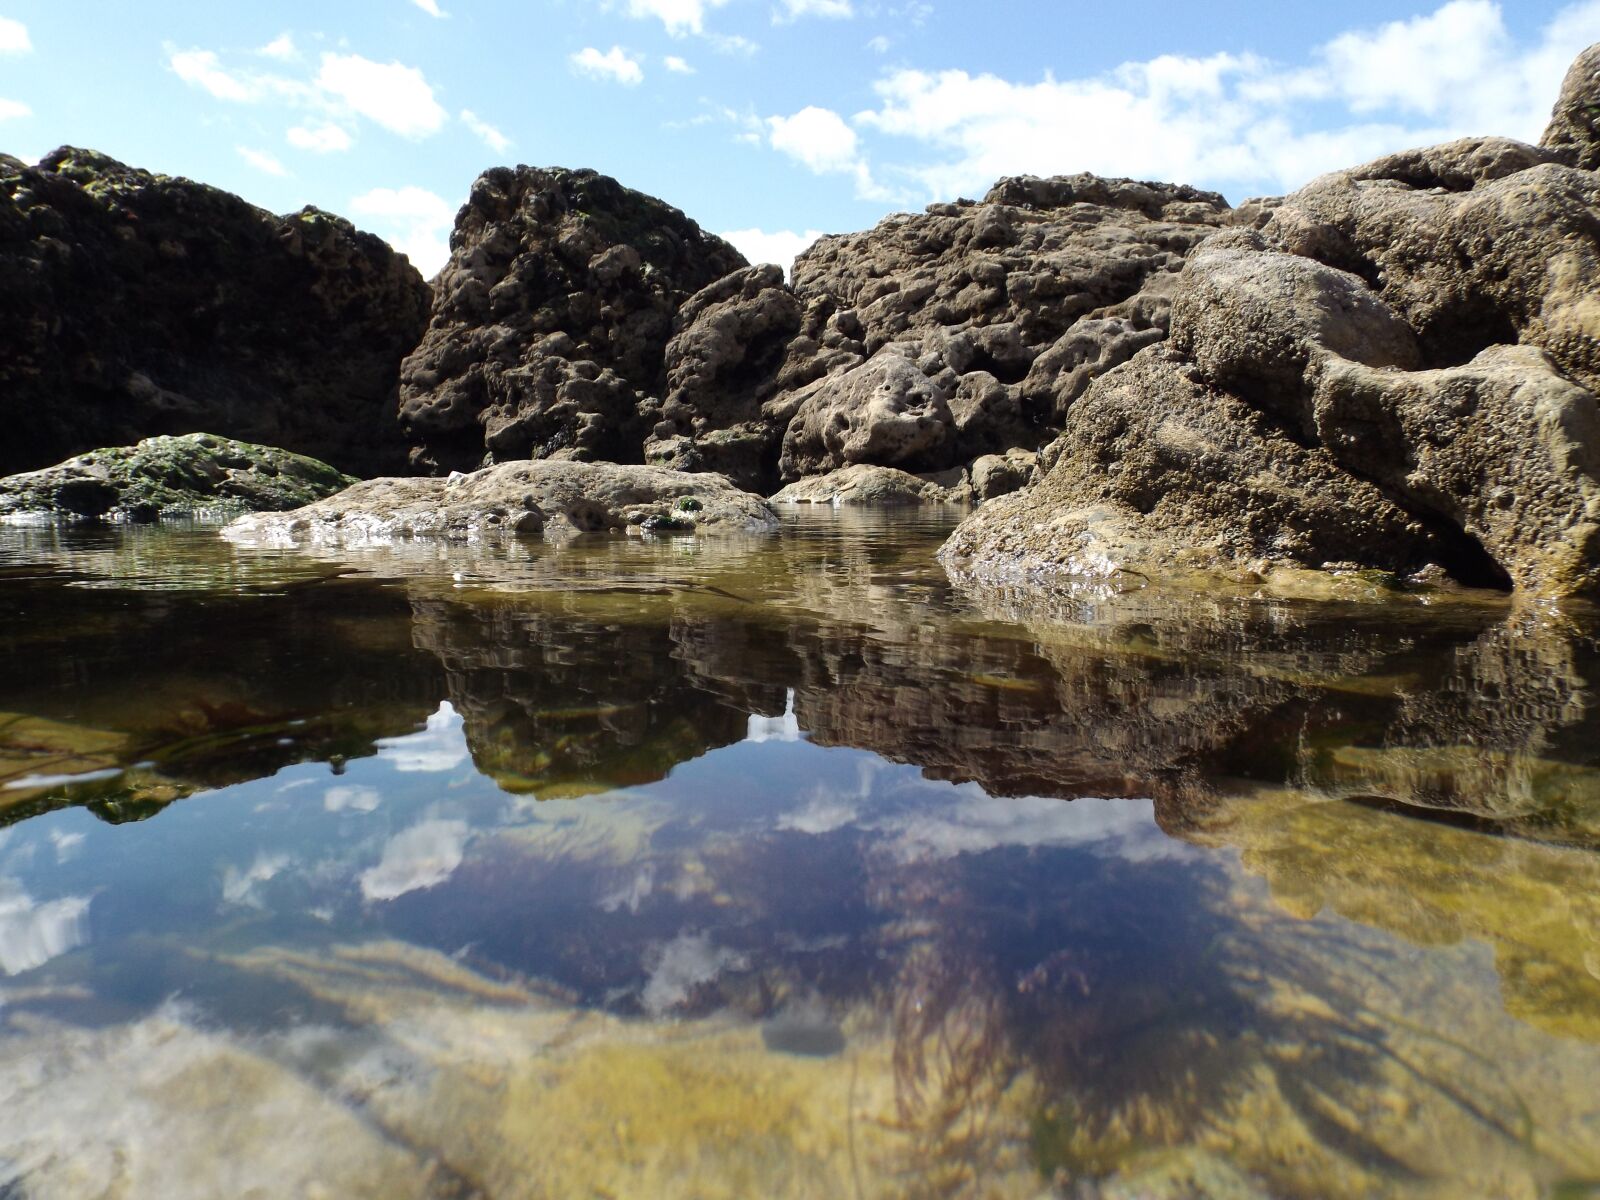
[1396,370]
[554,498]
[195,474]
[134,304]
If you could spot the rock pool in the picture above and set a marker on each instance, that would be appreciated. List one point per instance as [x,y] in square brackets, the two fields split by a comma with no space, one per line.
[782,866]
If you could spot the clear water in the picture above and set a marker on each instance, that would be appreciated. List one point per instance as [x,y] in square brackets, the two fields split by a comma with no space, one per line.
[781,867]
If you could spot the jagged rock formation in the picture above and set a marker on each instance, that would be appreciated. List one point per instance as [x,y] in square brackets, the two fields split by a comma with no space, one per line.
[933,339]
[551,320]
[134,304]
[170,476]
[578,319]
[1396,369]
[555,498]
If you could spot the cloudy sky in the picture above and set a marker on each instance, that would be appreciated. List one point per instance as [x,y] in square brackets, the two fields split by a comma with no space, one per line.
[765,120]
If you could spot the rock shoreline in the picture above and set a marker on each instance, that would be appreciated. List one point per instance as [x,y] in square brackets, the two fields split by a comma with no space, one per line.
[1392,370]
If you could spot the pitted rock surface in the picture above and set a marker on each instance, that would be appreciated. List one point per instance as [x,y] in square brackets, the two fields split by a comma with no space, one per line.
[1393,368]
[551,320]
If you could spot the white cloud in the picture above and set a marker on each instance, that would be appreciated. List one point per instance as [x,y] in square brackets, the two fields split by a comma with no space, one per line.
[243,887]
[676,65]
[392,95]
[614,64]
[790,10]
[781,246]
[678,967]
[11,110]
[262,161]
[281,48]
[204,70]
[816,137]
[421,857]
[1228,119]
[14,37]
[879,44]
[326,138]
[431,7]
[679,16]
[490,136]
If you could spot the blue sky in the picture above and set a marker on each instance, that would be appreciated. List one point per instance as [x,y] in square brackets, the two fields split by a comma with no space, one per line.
[767,120]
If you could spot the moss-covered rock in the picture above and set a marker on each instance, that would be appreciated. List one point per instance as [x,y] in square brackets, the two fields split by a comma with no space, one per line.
[193,475]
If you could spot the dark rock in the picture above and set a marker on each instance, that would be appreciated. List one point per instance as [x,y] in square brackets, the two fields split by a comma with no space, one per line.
[196,473]
[134,304]
[551,321]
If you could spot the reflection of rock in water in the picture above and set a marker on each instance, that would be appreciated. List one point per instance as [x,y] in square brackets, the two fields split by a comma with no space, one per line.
[219,691]
[566,702]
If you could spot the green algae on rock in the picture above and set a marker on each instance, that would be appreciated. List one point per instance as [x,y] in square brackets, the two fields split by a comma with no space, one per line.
[195,474]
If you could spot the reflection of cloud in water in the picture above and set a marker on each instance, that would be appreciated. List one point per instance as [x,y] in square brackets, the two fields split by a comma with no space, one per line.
[67,844]
[775,729]
[239,887]
[441,746]
[31,934]
[680,966]
[355,799]
[976,822]
[821,814]
[633,893]
[420,857]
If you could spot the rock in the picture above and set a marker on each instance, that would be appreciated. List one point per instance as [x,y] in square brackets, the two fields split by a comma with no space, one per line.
[932,339]
[1001,474]
[887,412]
[551,320]
[1394,369]
[134,304]
[863,485]
[1473,243]
[555,498]
[194,474]
[1574,129]
[1160,473]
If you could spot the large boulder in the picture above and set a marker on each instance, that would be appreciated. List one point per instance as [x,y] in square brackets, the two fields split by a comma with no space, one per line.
[134,304]
[192,474]
[1394,368]
[551,320]
[556,499]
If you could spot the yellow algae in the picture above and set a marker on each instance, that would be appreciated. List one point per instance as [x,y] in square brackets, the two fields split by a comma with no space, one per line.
[38,746]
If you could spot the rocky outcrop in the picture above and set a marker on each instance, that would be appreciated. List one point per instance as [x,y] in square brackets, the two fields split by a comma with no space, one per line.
[581,320]
[194,474]
[1396,369]
[134,304]
[555,498]
[551,320]
[933,339]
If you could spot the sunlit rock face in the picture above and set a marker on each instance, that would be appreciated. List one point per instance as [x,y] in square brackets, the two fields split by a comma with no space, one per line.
[134,304]
[1395,369]
[931,340]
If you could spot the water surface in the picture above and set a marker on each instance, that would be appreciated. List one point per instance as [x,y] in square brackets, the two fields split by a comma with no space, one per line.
[781,867]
